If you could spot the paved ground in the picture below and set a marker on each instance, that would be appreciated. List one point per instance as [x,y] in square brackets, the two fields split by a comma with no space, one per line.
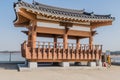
[10,72]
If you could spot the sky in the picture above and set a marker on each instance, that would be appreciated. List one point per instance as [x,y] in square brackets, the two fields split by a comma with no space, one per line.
[109,36]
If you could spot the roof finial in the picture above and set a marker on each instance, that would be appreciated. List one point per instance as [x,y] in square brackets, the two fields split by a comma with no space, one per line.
[19,0]
[33,1]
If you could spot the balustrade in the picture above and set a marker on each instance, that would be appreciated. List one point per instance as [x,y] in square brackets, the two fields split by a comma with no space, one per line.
[55,52]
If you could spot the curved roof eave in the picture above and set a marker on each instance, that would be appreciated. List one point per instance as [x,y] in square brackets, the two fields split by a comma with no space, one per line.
[50,10]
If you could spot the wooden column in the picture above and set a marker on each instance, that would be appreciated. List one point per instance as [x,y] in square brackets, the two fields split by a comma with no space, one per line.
[77,55]
[55,41]
[65,36]
[65,41]
[29,37]
[55,53]
[91,41]
[32,40]
[32,35]
[33,32]
[91,38]
[78,43]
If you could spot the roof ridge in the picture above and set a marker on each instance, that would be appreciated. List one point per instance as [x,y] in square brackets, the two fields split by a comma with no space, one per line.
[58,8]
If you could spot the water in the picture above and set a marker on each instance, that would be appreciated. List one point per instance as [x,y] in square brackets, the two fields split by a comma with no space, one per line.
[7,57]
[115,59]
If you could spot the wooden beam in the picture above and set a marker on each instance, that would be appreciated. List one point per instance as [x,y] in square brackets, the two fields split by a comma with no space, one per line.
[50,30]
[23,24]
[60,60]
[98,24]
[21,21]
[78,33]
[66,24]
[58,36]
[61,32]
[27,15]
[58,22]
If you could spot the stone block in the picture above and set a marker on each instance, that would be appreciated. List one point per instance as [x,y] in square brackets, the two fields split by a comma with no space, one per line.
[92,64]
[32,65]
[99,63]
[65,64]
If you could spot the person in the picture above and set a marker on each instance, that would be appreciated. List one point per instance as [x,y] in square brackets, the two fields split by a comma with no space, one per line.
[104,60]
[109,60]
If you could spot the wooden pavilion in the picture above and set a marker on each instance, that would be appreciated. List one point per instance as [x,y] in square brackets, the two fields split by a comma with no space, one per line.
[47,21]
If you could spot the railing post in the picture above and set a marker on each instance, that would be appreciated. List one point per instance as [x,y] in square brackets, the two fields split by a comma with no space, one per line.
[77,43]
[55,41]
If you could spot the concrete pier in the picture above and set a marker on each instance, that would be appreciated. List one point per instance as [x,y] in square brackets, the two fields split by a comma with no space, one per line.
[65,64]
[32,65]
[92,64]
[99,63]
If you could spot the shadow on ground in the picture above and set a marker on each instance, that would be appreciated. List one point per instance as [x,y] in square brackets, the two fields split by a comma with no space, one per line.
[8,66]
[48,64]
[116,64]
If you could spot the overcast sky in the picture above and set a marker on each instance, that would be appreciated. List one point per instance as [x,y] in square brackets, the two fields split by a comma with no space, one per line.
[109,36]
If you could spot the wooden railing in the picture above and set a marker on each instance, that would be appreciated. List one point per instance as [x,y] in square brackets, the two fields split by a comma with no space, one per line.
[54,52]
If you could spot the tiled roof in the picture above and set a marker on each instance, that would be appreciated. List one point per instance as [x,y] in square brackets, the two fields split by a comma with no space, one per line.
[68,13]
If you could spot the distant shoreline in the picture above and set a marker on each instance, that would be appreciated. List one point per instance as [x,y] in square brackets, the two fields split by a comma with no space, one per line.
[10,51]
[115,55]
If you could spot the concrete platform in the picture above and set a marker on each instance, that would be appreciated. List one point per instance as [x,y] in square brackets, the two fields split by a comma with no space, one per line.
[23,67]
[9,72]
